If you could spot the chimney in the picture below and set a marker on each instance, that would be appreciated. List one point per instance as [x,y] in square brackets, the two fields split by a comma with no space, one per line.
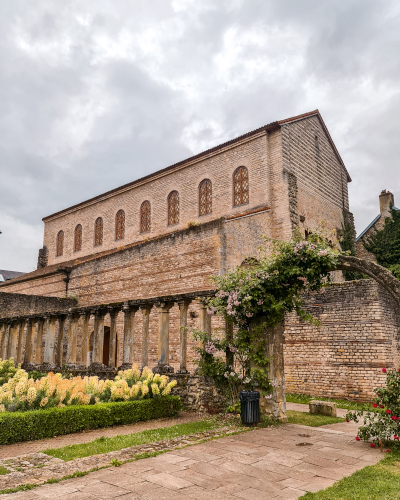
[386,199]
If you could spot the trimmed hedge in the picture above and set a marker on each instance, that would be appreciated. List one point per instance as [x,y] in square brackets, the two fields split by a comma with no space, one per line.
[39,424]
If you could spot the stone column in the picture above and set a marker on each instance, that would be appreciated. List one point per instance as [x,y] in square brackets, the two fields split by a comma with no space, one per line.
[113,338]
[29,336]
[60,340]
[7,344]
[163,338]
[73,320]
[229,337]
[183,309]
[50,343]
[85,338]
[129,327]
[12,342]
[98,339]
[39,340]
[146,309]
[205,319]
[20,341]
[3,331]
[276,406]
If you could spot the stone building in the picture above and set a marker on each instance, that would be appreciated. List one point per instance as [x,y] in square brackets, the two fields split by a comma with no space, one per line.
[386,200]
[120,274]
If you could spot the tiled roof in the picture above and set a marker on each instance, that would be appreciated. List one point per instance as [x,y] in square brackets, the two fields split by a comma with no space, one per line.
[9,275]
[371,224]
[271,126]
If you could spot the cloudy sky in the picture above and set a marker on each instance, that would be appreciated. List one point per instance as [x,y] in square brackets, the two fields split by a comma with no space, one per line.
[98,93]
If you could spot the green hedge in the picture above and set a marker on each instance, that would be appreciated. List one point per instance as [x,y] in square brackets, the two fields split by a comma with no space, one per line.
[39,424]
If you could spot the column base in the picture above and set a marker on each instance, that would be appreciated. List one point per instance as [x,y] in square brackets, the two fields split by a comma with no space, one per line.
[48,367]
[76,367]
[125,366]
[99,367]
[28,366]
[163,369]
[183,371]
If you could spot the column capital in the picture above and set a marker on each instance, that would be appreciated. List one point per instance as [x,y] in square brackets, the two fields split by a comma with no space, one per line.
[146,306]
[164,306]
[184,303]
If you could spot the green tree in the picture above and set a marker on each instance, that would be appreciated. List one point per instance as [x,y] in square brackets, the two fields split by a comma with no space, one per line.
[385,243]
[347,244]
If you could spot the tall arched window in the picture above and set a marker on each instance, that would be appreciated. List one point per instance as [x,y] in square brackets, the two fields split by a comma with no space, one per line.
[205,197]
[60,243]
[145,217]
[173,208]
[120,225]
[98,232]
[240,186]
[78,238]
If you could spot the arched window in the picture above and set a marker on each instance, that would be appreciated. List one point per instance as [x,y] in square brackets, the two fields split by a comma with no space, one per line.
[145,217]
[240,186]
[60,243]
[205,197]
[120,225]
[78,238]
[173,208]
[98,232]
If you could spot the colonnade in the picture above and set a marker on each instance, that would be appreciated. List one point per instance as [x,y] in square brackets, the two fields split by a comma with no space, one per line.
[17,334]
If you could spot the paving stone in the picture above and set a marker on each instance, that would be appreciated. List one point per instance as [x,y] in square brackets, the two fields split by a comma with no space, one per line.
[252,494]
[292,483]
[162,494]
[285,471]
[53,490]
[207,469]
[251,482]
[171,458]
[169,481]
[290,494]
[200,479]
[231,488]
[317,484]
[197,455]
[78,495]
[125,480]
[241,458]
[252,471]
[104,490]
[318,471]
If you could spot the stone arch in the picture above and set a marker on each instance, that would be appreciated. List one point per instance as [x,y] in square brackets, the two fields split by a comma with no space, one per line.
[380,274]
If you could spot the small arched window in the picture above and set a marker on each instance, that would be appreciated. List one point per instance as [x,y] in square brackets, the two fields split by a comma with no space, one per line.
[120,225]
[240,186]
[173,208]
[98,232]
[78,238]
[145,217]
[205,197]
[60,243]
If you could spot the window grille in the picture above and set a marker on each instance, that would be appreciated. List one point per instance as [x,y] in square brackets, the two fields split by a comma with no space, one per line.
[173,208]
[60,243]
[120,225]
[78,238]
[145,217]
[240,186]
[98,232]
[205,197]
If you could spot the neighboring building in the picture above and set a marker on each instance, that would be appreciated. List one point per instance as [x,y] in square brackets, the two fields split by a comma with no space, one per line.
[386,200]
[8,275]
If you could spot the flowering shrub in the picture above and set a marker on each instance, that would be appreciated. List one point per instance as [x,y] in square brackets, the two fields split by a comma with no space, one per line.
[22,393]
[382,423]
[7,370]
[272,286]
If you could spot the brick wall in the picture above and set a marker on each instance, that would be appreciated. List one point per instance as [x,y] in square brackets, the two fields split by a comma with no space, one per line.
[359,334]
[15,304]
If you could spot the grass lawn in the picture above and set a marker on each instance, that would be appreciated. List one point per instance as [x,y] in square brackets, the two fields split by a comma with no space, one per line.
[299,417]
[380,481]
[340,403]
[104,445]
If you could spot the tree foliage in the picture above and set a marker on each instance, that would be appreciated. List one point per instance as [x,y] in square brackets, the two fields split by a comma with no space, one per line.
[385,243]
[347,244]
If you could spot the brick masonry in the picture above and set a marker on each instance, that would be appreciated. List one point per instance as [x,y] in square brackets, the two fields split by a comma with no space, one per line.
[15,304]
[343,357]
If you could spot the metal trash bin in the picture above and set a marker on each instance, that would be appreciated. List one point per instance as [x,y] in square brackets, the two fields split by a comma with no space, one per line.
[249,407]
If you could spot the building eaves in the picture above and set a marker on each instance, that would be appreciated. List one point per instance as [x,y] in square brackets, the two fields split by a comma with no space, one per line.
[368,227]
[266,128]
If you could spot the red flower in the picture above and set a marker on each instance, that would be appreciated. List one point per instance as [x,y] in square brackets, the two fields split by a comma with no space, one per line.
[387,451]
[347,420]
[396,437]
[394,418]
[399,370]
[388,411]
[384,370]
[357,438]
[381,406]
[374,405]
[373,445]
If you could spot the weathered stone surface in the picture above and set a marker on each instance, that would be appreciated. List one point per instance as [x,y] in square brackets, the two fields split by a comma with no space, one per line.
[322,408]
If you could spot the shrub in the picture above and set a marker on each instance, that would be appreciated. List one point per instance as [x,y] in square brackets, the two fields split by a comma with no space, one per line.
[7,370]
[22,393]
[31,425]
[382,423]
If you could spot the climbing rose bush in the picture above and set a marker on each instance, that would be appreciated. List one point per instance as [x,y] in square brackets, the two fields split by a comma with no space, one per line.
[382,423]
[22,393]
[271,286]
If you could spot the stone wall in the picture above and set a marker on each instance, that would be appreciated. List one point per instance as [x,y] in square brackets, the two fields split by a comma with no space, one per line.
[198,393]
[16,304]
[343,357]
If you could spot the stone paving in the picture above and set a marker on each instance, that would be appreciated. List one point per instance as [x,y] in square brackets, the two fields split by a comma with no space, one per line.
[258,465]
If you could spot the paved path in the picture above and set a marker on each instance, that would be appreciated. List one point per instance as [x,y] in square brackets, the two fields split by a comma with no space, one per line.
[257,465]
[29,447]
